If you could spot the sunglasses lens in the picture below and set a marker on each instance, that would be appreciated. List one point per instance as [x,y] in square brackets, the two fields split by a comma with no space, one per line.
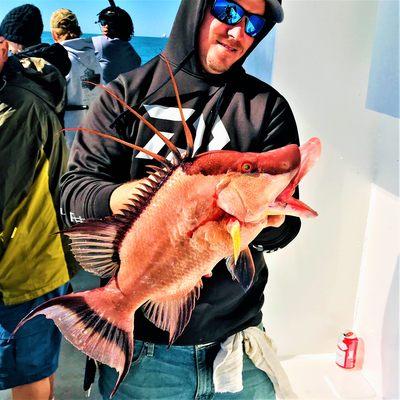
[254,25]
[227,12]
[231,13]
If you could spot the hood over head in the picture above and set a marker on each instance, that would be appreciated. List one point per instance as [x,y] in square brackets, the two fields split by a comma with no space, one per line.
[82,49]
[54,54]
[39,77]
[182,44]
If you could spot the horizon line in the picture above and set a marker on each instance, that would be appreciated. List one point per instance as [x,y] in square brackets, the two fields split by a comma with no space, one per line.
[99,34]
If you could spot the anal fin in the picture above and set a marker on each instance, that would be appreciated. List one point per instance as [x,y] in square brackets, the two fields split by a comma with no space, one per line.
[174,314]
[243,271]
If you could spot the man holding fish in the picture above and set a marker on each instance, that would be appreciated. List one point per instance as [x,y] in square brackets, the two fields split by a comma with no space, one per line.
[179,236]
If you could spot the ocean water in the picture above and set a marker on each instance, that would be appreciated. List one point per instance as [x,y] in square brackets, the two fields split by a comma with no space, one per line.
[146,47]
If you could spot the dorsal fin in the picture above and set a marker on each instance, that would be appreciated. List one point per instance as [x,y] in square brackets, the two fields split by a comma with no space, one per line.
[169,144]
[188,134]
[95,243]
[157,157]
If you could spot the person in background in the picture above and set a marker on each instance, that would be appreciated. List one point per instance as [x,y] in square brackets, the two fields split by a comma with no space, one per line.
[226,108]
[23,28]
[113,50]
[33,268]
[85,68]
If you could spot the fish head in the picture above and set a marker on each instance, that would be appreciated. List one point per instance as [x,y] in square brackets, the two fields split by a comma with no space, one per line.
[253,186]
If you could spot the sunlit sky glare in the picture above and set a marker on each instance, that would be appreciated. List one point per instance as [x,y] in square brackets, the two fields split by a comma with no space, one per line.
[150,17]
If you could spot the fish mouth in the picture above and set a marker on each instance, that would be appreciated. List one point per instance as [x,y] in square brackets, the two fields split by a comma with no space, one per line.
[281,170]
[285,203]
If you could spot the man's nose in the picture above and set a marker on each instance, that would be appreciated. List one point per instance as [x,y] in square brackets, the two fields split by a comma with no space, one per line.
[237,31]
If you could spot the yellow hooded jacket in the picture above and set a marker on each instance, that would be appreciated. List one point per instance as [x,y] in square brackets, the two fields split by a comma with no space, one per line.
[32,158]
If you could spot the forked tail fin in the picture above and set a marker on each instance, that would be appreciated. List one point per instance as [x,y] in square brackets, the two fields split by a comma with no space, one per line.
[90,321]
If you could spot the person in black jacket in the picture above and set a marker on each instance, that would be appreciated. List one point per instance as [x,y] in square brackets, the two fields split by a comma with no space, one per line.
[23,28]
[226,109]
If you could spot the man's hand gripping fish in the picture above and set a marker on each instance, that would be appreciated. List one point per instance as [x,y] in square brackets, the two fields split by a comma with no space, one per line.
[191,213]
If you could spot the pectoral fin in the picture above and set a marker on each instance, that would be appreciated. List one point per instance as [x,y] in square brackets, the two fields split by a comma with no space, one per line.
[243,269]
[234,231]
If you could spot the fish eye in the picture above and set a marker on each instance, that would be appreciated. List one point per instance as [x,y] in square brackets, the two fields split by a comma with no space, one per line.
[246,167]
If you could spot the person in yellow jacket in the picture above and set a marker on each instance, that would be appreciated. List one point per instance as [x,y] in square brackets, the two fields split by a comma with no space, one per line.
[33,268]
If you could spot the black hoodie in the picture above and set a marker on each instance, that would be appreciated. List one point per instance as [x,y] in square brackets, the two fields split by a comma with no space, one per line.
[230,111]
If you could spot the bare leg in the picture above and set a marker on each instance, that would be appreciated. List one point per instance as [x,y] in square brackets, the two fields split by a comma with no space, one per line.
[40,390]
[52,379]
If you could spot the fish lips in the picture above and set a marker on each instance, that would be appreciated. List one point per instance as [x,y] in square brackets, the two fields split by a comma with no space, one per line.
[283,186]
[291,206]
[285,203]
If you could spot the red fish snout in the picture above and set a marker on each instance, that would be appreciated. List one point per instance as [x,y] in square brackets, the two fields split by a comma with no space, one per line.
[310,153]
[279,161]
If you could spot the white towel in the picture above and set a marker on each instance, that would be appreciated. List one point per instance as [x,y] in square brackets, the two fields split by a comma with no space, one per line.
[228,364]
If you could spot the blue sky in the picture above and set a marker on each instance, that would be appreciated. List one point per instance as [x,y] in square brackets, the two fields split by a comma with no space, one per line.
[150,17]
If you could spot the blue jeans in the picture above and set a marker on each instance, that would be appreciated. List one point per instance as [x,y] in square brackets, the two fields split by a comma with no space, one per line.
[180,373]
[32,354]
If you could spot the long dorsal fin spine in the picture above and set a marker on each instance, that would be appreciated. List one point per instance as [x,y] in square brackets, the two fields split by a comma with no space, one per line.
[141,190]
[157,157]
[170,145]
[149,184]
[188,134]
[155,167]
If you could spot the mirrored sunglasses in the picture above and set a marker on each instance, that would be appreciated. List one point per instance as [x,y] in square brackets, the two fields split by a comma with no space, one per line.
[232,13]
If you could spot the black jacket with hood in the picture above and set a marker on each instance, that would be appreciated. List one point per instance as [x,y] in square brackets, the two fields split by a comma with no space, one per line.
[230,111]
[55,54]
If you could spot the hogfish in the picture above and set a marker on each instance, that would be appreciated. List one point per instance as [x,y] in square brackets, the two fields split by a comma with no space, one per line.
[190,214]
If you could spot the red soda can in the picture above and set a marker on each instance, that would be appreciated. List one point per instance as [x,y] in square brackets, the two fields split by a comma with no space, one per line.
[347,350]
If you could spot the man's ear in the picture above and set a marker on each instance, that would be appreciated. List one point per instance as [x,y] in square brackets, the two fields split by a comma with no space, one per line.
[55,36]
